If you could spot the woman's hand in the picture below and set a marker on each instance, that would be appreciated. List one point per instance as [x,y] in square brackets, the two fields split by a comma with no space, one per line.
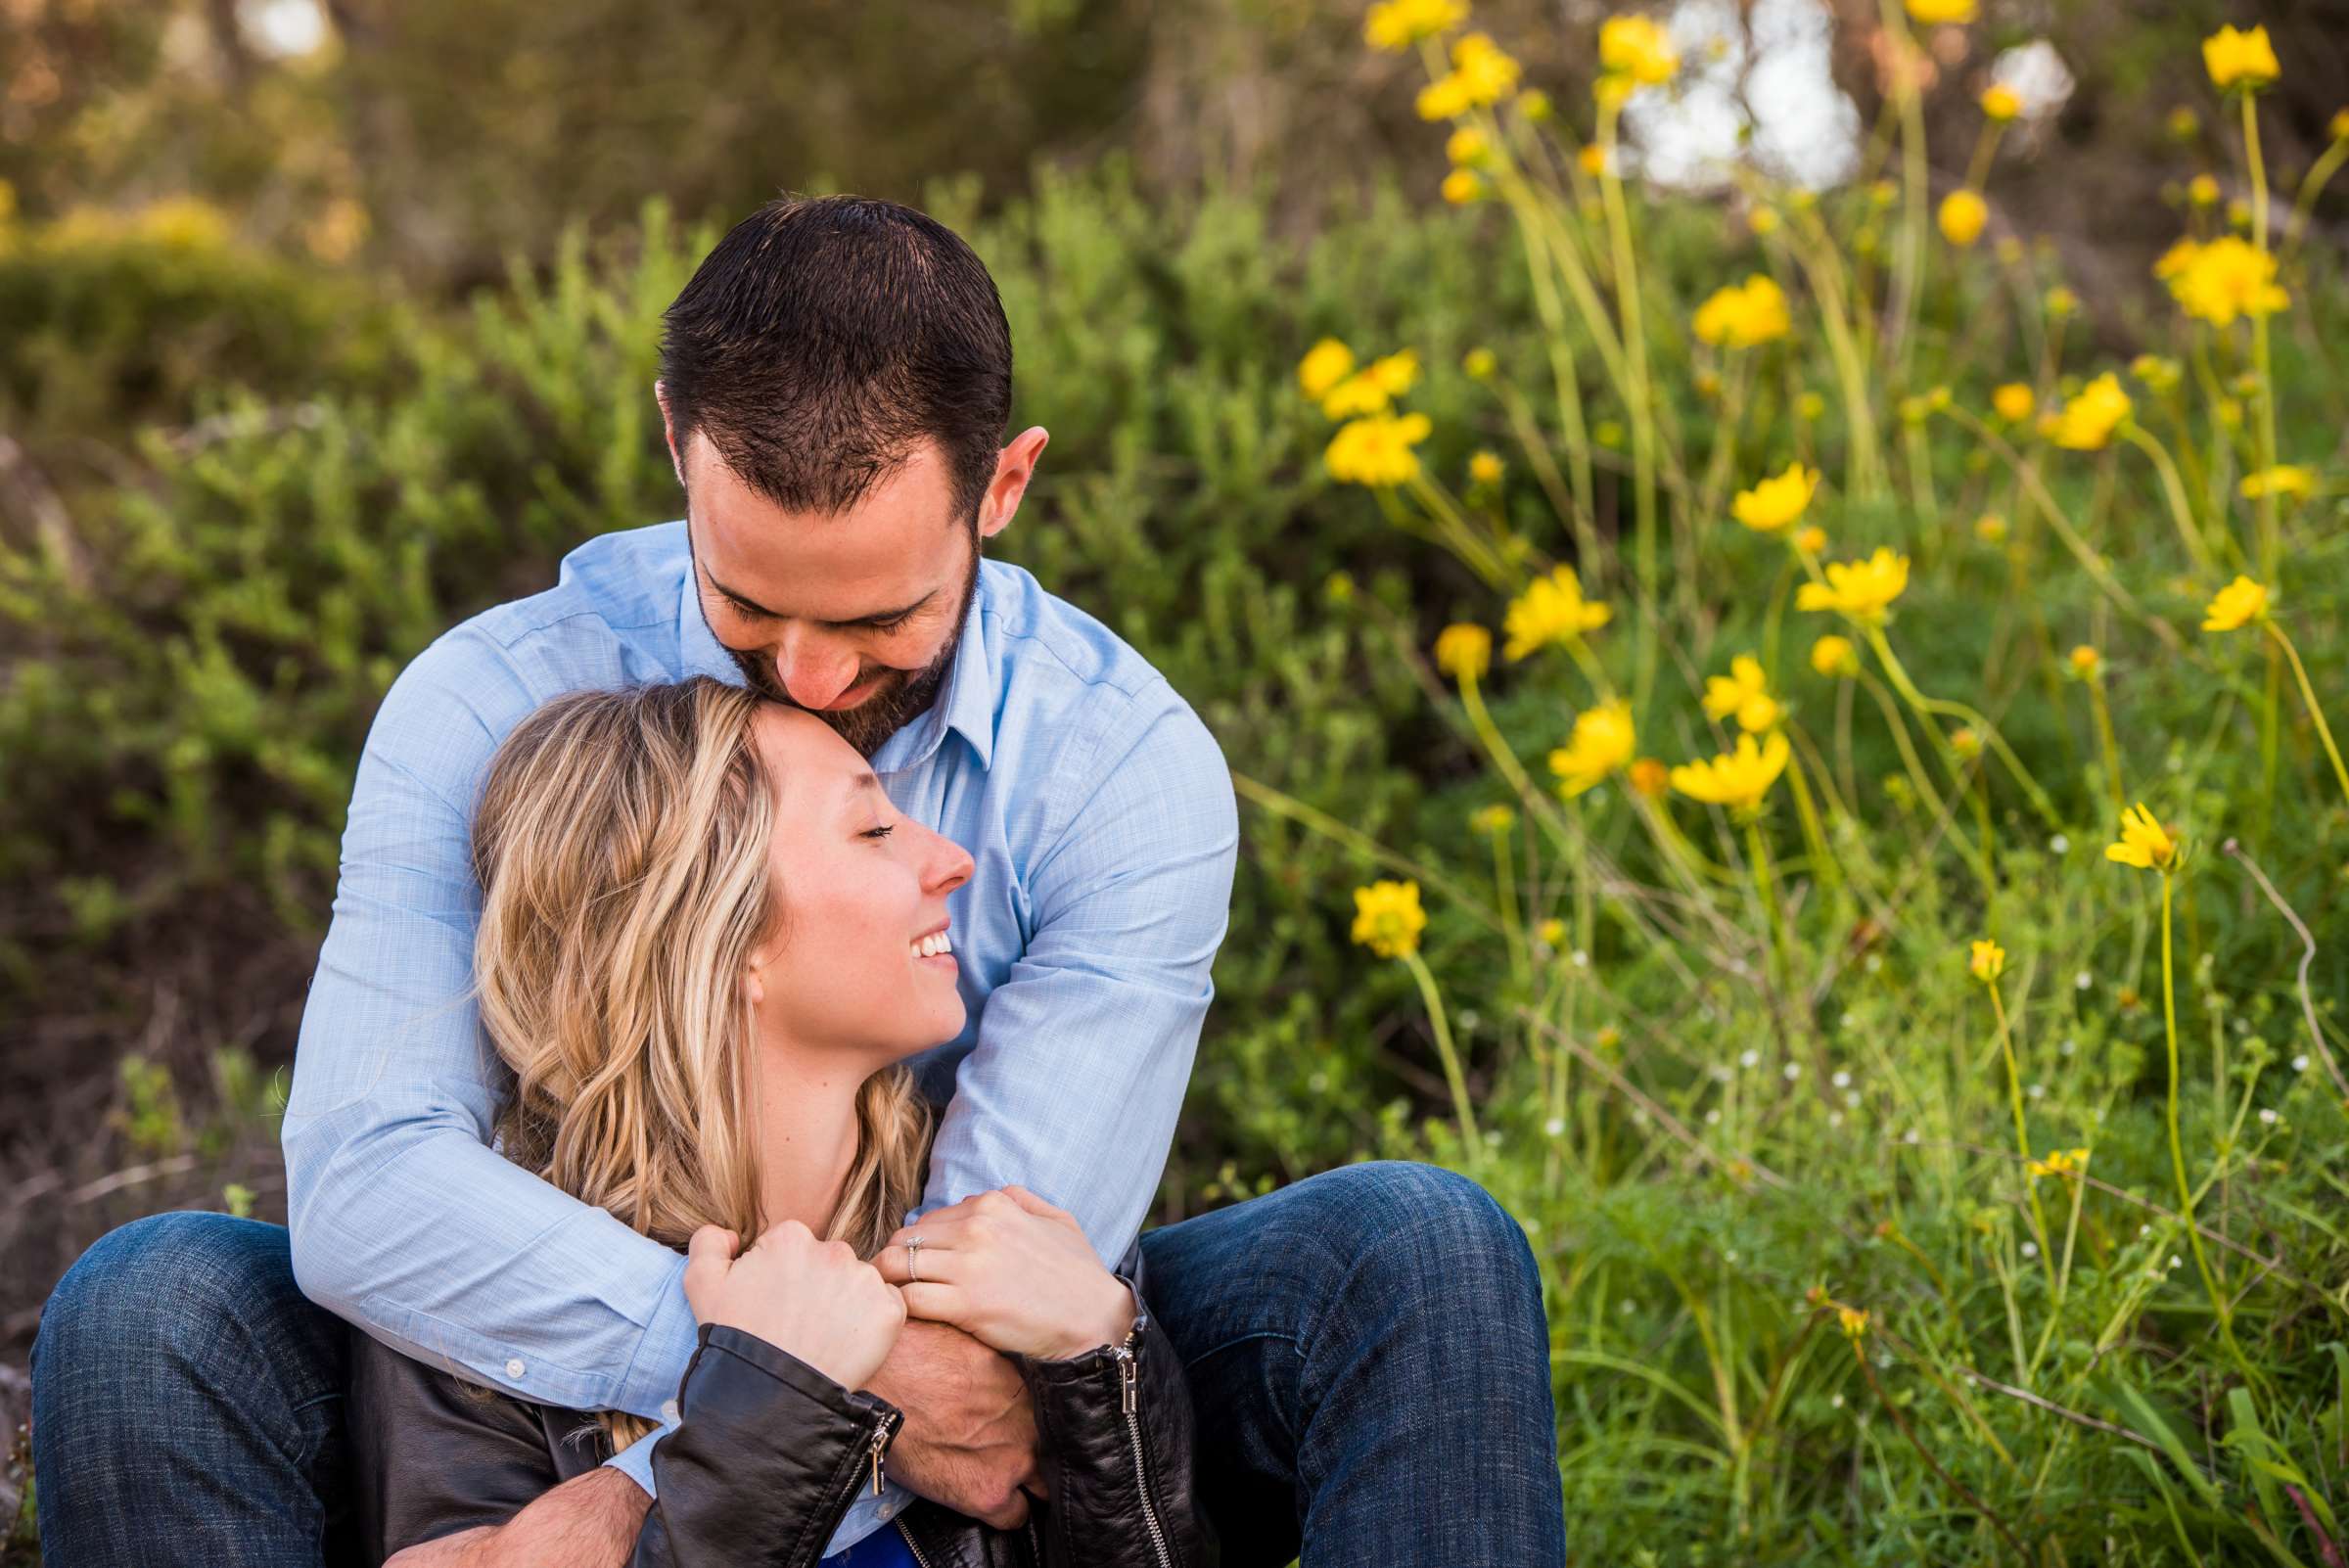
[814,1299]
[1012,1271]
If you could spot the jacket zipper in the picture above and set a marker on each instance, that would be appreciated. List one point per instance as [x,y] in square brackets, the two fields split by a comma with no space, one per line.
[911,1546]
[880,1442]
[1129,1376]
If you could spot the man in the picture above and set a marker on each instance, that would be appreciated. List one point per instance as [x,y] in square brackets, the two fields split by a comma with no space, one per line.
[1367,1348]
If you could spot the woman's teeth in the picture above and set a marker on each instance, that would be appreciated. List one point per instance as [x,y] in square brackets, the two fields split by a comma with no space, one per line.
[931,946]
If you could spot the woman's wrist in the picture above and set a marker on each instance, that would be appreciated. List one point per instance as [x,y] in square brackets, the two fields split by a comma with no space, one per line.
[1107,1323]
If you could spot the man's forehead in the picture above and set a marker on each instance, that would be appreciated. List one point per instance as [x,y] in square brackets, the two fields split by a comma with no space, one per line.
[879,555]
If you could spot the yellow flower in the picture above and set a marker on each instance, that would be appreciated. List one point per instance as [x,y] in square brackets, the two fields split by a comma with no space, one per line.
[1592,158]
[1443,98]
[1493,819]
[1764,222]
[1962,217]
[1477,364]
[2177,258]
[2001,102]
[1323,366]
[1393,26]
[1743,692]
[1467,146]
[1396,372]
[2202,190]
[1861,589]
[1551,610]
[2089,418]
[1810,539]
[1485,467]
[1376,451]
[1744,314]
[1464,652]
[1834,656]
[2069,1164]
[1462,186]
[2239,58]
[2226,278]
[1638,48]
[2144,843]
[2237,605]
[1388,919]
[1852,1319]
[1737,779]
[2184,124]
[1777,502]
[2159,373]
[1552,932]
[1534,104]
[2062,301]
[2087,662]
[1809,407]
[1485,72]
[1986,961]
[2013,402]
[2284,478]
[1650,777]
[1941,13]
[1357,397]
[1990,529]
[1601,742]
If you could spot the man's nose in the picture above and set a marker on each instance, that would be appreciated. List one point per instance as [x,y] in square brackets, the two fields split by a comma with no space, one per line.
[813,671]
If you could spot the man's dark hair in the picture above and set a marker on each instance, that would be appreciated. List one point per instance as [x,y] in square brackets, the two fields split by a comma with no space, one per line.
[826,338]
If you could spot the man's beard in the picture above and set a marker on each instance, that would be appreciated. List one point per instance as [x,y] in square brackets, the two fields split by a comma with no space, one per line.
[905,698]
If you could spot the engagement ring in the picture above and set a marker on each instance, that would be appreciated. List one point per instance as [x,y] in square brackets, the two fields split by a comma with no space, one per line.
[914,1247]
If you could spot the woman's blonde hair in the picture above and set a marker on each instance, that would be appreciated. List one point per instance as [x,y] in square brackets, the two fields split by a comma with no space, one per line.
[621,848]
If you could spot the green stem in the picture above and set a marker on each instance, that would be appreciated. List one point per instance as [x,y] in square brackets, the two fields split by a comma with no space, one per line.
[1452,1075]
[2308,695]
[2022,1138]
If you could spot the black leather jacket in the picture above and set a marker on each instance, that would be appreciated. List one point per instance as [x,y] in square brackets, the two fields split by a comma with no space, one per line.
[768,1453]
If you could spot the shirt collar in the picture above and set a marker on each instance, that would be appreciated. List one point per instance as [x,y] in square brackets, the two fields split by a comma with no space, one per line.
[966,701]
[965,704]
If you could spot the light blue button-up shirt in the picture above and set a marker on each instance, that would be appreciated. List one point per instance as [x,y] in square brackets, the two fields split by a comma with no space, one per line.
[1099,815]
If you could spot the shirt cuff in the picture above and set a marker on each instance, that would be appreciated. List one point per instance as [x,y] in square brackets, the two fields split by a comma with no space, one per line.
[635,1461]
[649,1387]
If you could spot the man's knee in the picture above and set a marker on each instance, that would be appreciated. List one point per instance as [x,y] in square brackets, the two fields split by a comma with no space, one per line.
[1424,1230]
[162,1284]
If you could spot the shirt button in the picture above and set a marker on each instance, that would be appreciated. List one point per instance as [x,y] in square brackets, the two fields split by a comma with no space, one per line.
[669,1410]
[513,1366]
[884,1512]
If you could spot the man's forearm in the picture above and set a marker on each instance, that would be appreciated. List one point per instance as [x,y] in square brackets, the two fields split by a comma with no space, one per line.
[969,1439]
[590,1521]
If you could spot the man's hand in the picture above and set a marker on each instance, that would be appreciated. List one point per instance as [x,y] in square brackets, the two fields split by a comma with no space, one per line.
[969,1439]
[589,1521]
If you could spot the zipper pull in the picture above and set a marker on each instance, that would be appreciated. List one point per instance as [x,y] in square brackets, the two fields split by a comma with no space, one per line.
[1128,1373]
[880,1441]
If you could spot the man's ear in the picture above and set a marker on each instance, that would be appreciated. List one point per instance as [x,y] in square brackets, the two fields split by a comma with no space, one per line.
[1014,468]
[669,429]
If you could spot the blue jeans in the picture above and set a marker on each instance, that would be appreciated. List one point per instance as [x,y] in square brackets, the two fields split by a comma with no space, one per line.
[1366,1352]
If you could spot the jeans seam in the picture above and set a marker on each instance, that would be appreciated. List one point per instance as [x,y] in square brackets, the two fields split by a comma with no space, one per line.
[1191,1362]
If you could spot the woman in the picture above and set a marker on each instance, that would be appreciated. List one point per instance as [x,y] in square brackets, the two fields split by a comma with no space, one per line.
[708,943]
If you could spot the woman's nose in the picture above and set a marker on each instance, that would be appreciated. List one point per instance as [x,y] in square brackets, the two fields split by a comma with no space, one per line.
[950,864]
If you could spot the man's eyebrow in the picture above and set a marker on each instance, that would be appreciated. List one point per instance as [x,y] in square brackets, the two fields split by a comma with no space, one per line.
[879,618]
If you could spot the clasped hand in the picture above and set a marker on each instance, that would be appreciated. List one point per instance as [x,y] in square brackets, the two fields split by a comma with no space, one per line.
[1004,1266]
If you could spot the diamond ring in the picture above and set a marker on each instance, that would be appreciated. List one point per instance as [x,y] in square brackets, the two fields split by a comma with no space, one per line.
[913,1249]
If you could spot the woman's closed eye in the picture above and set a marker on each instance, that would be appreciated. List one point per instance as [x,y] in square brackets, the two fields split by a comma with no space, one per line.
[877,833]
